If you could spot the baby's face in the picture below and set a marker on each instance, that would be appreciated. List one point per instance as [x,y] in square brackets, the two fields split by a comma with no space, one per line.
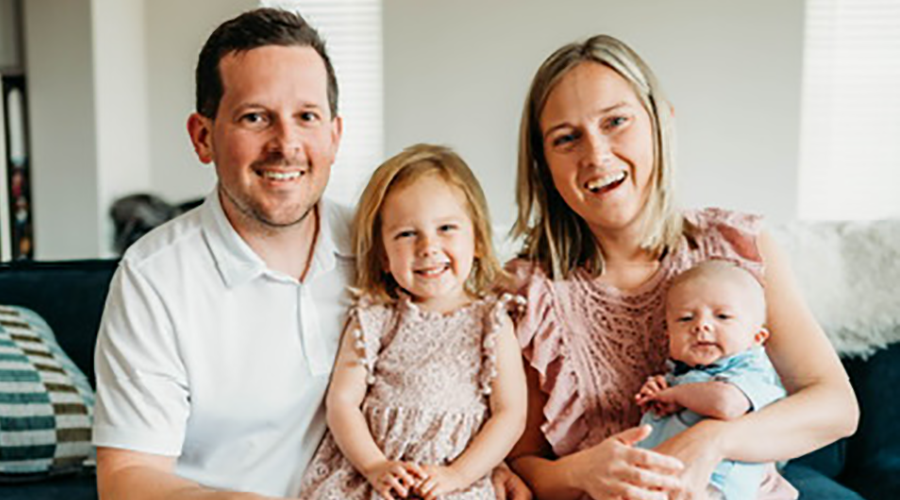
[709,318]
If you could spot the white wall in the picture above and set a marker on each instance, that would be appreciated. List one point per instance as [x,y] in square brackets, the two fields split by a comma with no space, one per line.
[64,179]
[457,73]
[120,76]
[176,31]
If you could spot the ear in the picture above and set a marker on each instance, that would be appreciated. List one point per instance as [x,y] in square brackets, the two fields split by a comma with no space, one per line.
[761,336]
[200,129]
[337,130]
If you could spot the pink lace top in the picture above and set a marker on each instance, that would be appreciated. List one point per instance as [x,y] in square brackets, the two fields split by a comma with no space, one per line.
[594,345]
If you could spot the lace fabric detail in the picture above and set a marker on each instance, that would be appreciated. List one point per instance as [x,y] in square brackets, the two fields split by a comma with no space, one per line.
[593,345]
[430,378]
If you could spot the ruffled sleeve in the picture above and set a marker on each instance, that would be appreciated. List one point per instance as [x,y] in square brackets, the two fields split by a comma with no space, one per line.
[506,304]
[542,339]
[371,321]
[724,234]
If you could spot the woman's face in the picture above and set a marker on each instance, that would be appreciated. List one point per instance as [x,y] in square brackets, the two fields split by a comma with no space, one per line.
[598,143]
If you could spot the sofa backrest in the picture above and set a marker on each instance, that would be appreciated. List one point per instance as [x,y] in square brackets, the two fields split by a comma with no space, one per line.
[69,295]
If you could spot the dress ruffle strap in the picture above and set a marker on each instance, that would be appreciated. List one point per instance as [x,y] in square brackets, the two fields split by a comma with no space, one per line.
[505,304]
[541,338]
[371,321]
[729,236]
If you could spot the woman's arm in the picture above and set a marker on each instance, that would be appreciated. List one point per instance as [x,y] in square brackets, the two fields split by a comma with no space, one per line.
[820,408]
[614,468]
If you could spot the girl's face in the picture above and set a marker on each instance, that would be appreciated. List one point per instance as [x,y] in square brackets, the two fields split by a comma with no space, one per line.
[598,143]
[429,242]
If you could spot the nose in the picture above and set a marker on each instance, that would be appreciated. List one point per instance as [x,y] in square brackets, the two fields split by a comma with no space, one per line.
[286,139]
[701,326]
[598,151]
[425,246]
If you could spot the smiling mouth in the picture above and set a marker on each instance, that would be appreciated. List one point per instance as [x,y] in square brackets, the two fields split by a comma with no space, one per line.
[280,176]
[606,183]
[430,272]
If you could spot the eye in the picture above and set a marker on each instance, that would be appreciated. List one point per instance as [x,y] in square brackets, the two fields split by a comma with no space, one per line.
[563,140]
[309,116]
[725,316]
[254,119]
[409,233]
[685,318]
[447,227]
[615,122]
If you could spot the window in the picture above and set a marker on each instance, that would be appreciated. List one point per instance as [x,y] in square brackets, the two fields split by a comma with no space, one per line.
[850,123]
[352,33]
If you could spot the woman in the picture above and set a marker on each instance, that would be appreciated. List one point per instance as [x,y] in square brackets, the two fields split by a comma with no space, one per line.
[602,242]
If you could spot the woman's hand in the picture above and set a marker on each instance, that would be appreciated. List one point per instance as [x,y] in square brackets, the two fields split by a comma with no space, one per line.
[508,485]
[699,449]
[616,469]
[393,476]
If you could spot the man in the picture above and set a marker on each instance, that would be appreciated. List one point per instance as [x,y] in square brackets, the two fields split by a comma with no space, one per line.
[221,326]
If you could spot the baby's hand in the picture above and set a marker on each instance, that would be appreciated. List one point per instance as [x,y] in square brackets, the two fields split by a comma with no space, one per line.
[656,396]
[395,476]
[440,480]
[653,386]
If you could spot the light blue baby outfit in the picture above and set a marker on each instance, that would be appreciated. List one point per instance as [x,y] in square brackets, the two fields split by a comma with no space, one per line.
[752,373]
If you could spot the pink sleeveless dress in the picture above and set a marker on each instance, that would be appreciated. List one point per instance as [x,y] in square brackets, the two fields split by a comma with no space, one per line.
[594,345]
[430,377]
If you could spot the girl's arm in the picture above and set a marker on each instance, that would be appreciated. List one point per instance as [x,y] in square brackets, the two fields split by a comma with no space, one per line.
[348,424]
[613,468]
[508,407]
[820,408]
[501,430]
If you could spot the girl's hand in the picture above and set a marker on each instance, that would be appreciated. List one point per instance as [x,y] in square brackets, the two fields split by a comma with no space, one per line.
[394,476]
[698,447]
[616,469]
[439,481]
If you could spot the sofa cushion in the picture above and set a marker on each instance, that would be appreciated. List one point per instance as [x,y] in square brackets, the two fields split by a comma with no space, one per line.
[46,402]
[873,453]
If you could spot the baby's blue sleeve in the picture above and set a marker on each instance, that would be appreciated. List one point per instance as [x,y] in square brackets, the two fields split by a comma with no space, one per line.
[755,376]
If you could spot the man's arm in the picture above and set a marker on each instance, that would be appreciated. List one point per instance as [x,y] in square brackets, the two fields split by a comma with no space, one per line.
[714,399]
[131,475]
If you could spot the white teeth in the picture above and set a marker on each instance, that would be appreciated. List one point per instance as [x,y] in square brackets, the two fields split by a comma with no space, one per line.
[433,271]
[282,176]
[600,183]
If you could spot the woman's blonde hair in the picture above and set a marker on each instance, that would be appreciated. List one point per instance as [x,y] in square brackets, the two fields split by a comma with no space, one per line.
[555,236]
[414,163]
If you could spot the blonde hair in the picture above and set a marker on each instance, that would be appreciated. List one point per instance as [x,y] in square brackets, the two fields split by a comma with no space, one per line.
[721,270]
[555,236]
[412,164]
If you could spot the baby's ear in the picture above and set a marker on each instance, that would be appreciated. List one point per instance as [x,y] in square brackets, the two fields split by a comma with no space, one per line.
[761,336]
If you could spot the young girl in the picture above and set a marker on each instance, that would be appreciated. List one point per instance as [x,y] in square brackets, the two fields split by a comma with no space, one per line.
[428,393]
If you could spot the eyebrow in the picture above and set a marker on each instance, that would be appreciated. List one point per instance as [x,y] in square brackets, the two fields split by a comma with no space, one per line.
[602,111]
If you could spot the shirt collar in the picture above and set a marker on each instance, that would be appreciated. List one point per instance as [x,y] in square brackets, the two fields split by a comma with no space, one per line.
[237,263]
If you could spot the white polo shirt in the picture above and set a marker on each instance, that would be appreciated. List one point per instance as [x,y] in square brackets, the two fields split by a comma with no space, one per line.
[206,354]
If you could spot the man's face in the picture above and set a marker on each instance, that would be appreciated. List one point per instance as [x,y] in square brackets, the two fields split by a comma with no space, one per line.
[273,139]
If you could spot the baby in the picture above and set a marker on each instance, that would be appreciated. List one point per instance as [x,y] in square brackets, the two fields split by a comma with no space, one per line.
[715,316]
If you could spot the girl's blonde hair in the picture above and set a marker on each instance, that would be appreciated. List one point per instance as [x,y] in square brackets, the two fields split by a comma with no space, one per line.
[416,162]
[555,236]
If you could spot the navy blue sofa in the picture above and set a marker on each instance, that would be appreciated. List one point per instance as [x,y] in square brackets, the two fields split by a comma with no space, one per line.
[70,297]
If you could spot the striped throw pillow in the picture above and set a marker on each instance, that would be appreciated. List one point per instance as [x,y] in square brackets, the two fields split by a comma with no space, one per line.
[46,402]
